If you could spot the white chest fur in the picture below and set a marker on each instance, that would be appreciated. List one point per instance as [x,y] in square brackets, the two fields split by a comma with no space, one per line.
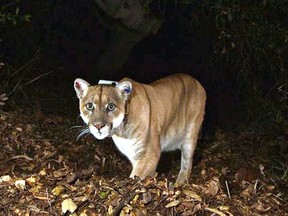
[128,147]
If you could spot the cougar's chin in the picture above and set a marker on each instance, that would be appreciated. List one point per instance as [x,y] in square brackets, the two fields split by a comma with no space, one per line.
[100,134]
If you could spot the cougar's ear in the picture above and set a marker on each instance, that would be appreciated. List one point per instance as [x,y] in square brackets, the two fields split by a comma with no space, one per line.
[125,87]
[80,86]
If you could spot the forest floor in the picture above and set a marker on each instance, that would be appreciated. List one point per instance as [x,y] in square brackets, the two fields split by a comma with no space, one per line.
[45,171]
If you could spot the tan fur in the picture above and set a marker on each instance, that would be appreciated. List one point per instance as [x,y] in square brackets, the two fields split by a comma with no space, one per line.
[163,116]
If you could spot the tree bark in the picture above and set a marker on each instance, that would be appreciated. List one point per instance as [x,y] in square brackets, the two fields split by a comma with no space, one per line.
[118,49]
[129,22]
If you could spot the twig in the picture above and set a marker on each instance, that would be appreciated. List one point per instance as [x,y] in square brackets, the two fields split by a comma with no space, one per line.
[285,173]
[284,92]
[20,156]
[227,188]
[278,196]
[40,76]
[214,211]
[48,200]
[9,4]
[255,185]
[273,181]
[15,87]
[124,202]
[34,58]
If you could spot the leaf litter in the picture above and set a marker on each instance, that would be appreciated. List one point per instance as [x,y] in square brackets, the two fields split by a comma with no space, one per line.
[45,171]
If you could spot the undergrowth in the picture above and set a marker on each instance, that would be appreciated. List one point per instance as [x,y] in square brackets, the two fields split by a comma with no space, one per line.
[33,84]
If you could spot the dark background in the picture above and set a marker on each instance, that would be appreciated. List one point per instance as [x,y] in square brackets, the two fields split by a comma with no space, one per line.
[237,50]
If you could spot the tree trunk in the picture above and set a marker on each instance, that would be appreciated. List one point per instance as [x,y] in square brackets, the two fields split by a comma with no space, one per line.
[130,23]
[118,49]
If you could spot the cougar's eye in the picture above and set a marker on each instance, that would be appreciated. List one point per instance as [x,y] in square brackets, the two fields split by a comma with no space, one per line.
[89,106]
[111,107]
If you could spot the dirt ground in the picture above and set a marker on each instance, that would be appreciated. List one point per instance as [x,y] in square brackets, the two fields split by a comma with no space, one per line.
[45,171]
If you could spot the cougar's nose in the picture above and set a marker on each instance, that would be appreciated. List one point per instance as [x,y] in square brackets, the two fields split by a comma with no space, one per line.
[99,125]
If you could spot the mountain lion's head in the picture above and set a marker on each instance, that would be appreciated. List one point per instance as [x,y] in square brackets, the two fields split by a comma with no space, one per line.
[102,107]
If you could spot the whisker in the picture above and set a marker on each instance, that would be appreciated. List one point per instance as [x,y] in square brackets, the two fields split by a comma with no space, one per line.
[77,126]
[82,133]
[79,118]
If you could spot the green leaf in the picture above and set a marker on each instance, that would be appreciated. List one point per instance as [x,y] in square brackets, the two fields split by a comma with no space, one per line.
[103,195]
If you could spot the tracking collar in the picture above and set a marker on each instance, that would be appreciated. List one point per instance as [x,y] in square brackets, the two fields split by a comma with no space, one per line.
[108,82]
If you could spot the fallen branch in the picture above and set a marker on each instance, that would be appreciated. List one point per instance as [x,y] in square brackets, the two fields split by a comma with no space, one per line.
[124,202]
[161,201]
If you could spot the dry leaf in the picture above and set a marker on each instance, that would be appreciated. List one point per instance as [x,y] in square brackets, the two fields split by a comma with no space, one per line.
[35,189]
[188,204]
[58,190]
[72,177]
[68,205]
[134,200]
[20,184]
[246,174]
[203,172]
[89,212]
[196,209]
[270,187]
[33,208]
[42,172]
[59,173]
[5,178]
[223,208]
[193,195]
[127,209]
[110,210]
[260,207]
[214,187]
[215,211]
[3,98]
[172,204]
[31,180]
[18,129]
